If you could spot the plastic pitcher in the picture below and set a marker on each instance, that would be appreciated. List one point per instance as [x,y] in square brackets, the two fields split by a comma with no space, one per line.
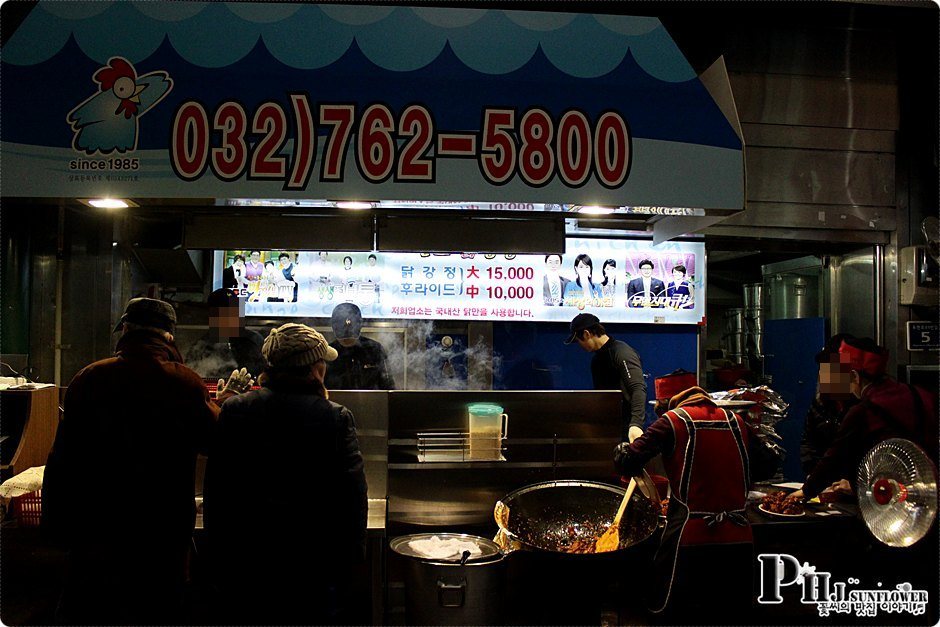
[488,426]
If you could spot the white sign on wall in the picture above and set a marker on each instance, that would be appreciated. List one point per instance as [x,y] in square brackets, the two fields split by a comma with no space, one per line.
[617,280]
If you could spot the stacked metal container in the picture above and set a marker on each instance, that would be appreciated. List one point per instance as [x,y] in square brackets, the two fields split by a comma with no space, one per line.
[754,323]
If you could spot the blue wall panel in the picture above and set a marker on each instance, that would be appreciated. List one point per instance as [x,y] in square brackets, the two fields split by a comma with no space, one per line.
[532,356]
[790,346]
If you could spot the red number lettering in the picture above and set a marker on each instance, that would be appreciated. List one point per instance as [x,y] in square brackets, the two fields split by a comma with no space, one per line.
[375,152]
[271,122]
[340,117]
[536,158]
[229,160]
[416,123]
[574,148]
[498,149]
[190,150]
[612,150]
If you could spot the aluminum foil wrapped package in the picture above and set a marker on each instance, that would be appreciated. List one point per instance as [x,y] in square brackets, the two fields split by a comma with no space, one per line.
[762,416]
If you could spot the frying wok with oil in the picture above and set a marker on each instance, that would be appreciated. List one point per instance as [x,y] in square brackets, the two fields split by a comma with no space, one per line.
[552,515]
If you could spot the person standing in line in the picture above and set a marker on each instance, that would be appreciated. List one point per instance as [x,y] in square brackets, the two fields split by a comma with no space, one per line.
[136,421]
[362,363]
[614,366]
[296,564]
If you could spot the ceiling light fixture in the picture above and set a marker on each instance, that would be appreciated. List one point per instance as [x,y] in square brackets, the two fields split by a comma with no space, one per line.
[353,204]
[108,203]
[594,210]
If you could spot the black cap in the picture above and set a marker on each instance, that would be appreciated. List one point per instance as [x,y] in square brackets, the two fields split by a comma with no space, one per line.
[346,321]
[223,297]
[832,347]
[581,322]
[148,312]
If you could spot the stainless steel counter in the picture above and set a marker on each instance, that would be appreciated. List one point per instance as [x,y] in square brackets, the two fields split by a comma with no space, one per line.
[375,523]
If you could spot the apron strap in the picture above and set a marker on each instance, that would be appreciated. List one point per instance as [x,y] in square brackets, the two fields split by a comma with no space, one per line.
[742,449]
[689,456]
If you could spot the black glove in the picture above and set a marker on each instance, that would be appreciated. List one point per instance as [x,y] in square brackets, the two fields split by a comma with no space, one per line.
[622,455]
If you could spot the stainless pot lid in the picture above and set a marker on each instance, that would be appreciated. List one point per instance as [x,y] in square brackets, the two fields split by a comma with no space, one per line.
[445,547]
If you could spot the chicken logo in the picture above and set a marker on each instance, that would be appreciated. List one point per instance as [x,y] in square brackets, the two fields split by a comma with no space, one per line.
[108,120]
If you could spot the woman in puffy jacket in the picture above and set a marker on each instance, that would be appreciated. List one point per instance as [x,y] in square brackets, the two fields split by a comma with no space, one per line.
[285,492]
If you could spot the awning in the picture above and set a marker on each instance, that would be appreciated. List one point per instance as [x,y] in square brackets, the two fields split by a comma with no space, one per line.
[268,100]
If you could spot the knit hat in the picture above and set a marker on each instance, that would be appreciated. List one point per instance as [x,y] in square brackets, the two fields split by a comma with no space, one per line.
[294,344]
[148,312]
[346,321]
[864,355]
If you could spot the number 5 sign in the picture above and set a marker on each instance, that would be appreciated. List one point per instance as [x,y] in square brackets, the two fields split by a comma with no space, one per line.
[923,336]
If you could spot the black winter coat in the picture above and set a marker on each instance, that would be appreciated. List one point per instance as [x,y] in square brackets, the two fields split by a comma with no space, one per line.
[285,491]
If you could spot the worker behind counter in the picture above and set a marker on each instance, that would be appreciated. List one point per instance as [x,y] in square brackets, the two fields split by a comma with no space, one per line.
[362,363]
[703,564]
[228,344]
[887,409]
[614,366]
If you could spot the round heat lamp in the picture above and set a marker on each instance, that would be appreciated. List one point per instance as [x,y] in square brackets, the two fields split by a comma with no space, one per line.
[897,492]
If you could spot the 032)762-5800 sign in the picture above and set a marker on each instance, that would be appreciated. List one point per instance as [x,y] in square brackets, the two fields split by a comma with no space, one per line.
[533,144]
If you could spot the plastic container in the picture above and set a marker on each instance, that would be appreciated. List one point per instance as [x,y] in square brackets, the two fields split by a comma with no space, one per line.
[488,425]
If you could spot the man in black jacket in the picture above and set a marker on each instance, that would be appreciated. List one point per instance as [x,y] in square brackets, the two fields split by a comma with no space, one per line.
[362,363]
[132,427]
[228,344]
[615,366]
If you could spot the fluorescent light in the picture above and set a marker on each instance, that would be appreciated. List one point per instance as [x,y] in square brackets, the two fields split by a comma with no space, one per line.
[594,210]
[108,203]
[353,204]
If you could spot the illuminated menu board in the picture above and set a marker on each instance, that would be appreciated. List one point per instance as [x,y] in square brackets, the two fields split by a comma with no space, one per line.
[617,280]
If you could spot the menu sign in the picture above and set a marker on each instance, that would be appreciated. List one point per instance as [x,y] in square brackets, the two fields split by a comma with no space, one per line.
[618,280]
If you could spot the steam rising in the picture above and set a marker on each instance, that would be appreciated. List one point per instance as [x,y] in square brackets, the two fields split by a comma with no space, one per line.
[432,366]
[215,366]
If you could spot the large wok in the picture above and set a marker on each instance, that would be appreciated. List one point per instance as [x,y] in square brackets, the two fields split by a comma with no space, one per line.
[551,515]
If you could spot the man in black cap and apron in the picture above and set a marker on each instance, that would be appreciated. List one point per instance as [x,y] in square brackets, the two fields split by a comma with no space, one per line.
[362,363]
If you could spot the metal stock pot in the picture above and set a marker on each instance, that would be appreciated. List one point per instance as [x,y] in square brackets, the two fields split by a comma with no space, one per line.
[459,589]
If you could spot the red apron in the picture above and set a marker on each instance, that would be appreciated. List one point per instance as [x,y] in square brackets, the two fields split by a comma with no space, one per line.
[708,473]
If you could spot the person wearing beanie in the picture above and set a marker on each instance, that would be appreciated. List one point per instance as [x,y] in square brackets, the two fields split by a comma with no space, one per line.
[710,458]
[362,363]
[887,409]
[140,418]
[285,501]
